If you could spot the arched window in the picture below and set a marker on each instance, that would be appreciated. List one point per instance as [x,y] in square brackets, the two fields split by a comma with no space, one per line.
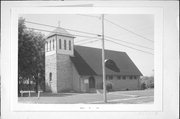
[46,46]
[65,44]
[50,76]
[69,45]
[50,45]
[53,44]
[59,43]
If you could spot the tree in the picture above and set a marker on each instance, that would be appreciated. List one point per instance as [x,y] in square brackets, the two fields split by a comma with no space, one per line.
[148,81]
[31,56]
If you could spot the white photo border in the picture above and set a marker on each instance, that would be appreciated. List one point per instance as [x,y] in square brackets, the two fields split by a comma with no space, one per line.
[158,59]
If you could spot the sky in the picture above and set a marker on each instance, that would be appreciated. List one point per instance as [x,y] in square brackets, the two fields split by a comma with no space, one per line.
[141,24]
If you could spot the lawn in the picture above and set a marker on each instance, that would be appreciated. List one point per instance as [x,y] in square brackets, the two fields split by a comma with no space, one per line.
[122,97]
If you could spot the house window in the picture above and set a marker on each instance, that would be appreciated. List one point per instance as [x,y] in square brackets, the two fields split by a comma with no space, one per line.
[59,43]
[69,45]
[124,77]
[119,77]
[135,77]
[50,45]
[65,44]
[50,76]
[110,77]
[131,77]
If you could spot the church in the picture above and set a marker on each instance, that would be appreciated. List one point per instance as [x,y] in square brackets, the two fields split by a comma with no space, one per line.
[70,67]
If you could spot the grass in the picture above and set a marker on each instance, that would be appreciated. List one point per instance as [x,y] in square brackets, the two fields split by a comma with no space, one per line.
[122,97]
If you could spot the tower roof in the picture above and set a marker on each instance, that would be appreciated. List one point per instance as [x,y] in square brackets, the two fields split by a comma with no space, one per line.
[60,31]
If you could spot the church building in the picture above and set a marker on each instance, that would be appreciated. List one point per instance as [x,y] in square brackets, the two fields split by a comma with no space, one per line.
[70,67]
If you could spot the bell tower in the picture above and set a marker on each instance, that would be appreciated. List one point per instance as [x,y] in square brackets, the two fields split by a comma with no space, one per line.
[58,67]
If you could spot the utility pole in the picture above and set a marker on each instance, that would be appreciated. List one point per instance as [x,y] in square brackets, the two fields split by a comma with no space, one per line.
[103,63]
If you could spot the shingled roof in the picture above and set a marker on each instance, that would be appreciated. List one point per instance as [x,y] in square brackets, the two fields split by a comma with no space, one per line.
[60,31]
[88,62]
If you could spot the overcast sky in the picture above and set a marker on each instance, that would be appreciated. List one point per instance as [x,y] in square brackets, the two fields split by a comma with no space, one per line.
[139,24]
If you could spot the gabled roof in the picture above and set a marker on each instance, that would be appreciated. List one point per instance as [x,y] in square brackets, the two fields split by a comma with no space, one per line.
[60,31]
[82,67]
[88,61]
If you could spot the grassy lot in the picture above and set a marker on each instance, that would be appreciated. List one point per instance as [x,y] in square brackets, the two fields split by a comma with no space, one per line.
[124,97]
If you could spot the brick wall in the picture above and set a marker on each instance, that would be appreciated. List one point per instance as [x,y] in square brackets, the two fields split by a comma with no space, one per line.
[58,63]
[76,80]
[64,73]
[117,84]
[120,84]
[50,66]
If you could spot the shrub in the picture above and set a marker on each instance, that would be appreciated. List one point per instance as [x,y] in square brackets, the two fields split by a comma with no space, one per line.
[143,86]
[108,87]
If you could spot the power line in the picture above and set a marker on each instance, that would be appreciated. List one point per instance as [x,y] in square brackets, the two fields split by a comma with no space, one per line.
[128,46]
[89,42]
[128,30]
[129,43]
[92,38]
[84,32]
[119,27]
[89,36]
[61,27]
[118,44]
[83,40]
[61,33]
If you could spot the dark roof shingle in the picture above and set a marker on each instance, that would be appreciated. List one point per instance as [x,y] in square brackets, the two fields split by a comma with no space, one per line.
[88,62]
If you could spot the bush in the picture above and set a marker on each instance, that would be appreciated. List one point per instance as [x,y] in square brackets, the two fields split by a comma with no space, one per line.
[143,86]
[108,87]
[152,85]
